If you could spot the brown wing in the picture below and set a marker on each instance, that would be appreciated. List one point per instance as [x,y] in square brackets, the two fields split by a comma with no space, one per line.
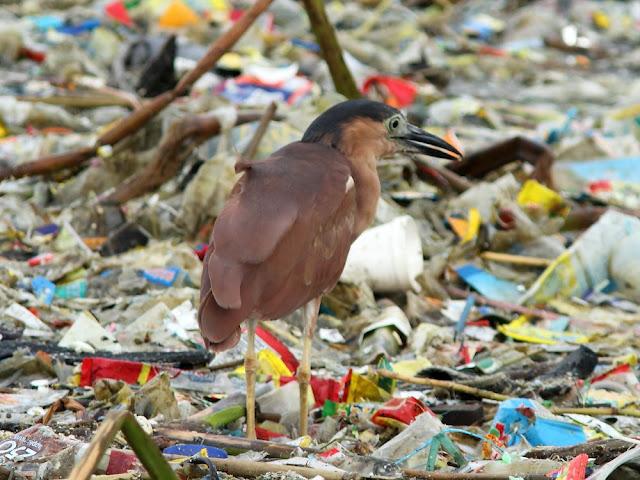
[281,239]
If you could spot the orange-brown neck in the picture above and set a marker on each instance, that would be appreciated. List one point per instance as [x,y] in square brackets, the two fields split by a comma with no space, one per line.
[363,142]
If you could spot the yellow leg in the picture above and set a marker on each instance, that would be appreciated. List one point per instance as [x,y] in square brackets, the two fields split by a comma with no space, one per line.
[250,367]
[310,315]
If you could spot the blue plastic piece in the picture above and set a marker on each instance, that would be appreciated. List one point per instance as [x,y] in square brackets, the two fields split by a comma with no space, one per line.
[49,229]
[80,28]
[44,289]
[190,449]
[47,22]
[165,276]
[489,285]
[538,431]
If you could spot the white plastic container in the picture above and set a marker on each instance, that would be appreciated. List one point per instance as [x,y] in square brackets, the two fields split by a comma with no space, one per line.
[387,257]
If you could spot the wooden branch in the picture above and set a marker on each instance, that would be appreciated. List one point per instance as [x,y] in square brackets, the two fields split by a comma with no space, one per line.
[229,442]
[446,384]
[602,450]
[250,152]
[139,118]
[330,48]
[178,143]
[49,163]
[252,469]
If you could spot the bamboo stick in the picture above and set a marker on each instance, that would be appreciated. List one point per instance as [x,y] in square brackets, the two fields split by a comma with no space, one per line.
[516,259]
[330,48]
[251,469]
[231,443]
[446,384]
[598,411]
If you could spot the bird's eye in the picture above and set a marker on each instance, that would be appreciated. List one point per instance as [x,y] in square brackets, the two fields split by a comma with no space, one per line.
[395,123]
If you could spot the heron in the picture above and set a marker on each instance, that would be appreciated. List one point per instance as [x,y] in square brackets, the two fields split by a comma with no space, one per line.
[282,238]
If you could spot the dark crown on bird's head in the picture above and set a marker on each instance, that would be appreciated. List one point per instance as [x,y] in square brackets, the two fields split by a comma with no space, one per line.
[328,126]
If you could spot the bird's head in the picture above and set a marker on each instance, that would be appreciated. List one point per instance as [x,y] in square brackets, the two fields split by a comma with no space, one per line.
[365,127]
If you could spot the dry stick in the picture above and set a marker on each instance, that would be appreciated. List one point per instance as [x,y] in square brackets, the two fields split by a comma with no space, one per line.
[511,307]
[251,469]
[446,384]
[78,101]
[137,119]
[229,442]
[330,48]
[516,259]
[596,411]
[250,152]
[602,450]
[176,146]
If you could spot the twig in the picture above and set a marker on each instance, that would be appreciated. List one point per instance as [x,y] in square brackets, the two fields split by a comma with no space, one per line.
[147,451]
[78,101]
[250,152]
[252,469]
[597,411]
[176,146]
[602,450]
[331,51]
[516,259]
[446,384]
[229,442]
[139,118]
[225,365]
[510,307]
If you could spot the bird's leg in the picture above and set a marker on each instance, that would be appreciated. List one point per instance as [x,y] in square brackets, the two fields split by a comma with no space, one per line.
[310,316]
[250,367]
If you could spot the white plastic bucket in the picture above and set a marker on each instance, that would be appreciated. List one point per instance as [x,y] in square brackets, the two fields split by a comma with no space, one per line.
[387,257]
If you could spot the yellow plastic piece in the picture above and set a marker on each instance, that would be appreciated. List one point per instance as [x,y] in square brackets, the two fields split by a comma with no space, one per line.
[231,60]
[630,359]
[220,5]
[143,376]
[625,113]
[520,329]
[601,20]
[363,389]
[269,363]
[597,396]
[473,226]
[76,274]
[411,367]
[534,193]
[178,15]
[3,130]
[466,229]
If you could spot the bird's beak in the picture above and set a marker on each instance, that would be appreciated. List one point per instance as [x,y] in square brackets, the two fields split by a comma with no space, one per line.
[417,140]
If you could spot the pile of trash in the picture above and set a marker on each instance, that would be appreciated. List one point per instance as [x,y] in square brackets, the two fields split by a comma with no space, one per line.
[485,327]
